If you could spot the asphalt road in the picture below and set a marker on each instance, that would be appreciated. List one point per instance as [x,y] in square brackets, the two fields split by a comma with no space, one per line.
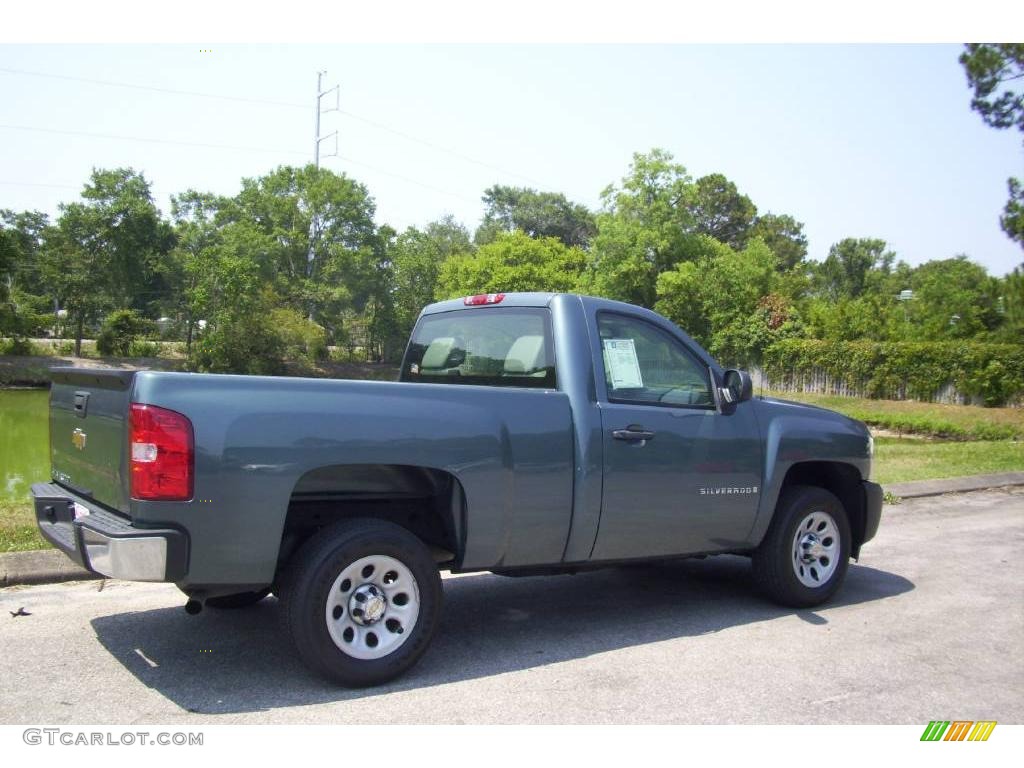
[929,625]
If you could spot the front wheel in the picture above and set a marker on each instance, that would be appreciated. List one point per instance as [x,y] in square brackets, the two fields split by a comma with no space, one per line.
[363,601]
[806,552]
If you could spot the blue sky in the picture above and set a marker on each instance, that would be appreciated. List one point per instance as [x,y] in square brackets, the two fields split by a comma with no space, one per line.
[853,140]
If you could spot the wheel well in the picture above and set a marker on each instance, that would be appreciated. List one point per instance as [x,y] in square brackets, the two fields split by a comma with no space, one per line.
[841,479]
[427,502]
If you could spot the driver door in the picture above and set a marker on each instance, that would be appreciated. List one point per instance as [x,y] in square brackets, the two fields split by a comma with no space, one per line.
[680,476]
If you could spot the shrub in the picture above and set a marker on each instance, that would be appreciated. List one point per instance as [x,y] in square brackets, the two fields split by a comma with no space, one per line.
[341,354]
[17,346]
[121,328]
[140,348]
[240,343]
[994,373]
[304,341]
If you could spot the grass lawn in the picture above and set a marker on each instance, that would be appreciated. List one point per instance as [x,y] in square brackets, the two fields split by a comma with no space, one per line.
[955,422]
[18,527]
[897,460]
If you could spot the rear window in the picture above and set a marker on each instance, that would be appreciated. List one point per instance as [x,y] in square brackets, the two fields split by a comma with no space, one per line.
[493,346]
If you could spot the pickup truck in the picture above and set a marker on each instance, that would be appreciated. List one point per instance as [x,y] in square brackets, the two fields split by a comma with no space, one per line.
[527,434]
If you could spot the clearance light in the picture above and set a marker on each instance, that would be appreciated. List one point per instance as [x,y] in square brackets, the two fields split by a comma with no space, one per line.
[483,298]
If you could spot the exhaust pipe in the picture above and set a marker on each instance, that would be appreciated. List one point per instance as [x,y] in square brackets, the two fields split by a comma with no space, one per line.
[192,607]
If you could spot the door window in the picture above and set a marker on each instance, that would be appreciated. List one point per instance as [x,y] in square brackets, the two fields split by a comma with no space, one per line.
[644,364]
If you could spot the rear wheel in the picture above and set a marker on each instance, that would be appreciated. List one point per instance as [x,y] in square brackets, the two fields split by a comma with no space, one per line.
[362,601]
[806,552]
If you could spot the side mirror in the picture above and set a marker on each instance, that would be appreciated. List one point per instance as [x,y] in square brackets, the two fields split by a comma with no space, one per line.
[738,387]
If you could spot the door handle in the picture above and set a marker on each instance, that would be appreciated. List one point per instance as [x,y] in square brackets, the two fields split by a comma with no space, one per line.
[633,433]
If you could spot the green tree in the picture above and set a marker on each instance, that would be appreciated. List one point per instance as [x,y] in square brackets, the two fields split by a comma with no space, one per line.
[231,291]
[953,298]
[784,235]
[729,300]
[876,316]
[8,262]
[108,251]
[512,262]
[76,270]
[1010,304]
[721,212]
[538,214]
[20,240]
[119,217]
[321,244]
[991,68]
[196,234]
[645,228]
[416,259]
[853,266]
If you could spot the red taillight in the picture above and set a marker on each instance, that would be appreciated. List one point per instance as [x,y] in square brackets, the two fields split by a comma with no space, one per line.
[161,454]
[483,298]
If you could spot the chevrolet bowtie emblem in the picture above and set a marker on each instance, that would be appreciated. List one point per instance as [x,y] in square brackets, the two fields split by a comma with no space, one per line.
[78,438]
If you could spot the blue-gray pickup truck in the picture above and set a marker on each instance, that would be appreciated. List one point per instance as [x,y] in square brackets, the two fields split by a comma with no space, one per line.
[528,433]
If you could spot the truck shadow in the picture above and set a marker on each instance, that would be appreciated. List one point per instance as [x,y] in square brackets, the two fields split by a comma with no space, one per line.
[240,661]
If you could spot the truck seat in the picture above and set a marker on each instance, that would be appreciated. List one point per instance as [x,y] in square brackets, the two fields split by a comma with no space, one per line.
[526,357]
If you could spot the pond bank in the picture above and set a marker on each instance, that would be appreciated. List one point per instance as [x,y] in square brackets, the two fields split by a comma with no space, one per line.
[20,372]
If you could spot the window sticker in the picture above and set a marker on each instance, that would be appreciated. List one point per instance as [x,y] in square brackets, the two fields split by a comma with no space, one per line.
[623,367]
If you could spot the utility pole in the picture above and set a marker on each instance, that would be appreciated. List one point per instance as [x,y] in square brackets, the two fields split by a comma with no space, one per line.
[317,138]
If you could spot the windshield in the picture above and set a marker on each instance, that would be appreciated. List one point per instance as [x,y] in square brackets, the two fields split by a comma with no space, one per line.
[496,346]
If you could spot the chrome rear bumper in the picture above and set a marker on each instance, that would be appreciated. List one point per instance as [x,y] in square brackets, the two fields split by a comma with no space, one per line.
[105,542]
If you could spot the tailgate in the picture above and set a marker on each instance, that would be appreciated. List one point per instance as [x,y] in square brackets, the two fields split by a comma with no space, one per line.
[88,424]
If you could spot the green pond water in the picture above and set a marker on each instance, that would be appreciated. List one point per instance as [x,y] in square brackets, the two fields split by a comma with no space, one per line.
[24,442]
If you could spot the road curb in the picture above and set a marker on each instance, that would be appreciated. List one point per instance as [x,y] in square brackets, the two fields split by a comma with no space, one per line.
[41,566]
[923,488]
[49,566]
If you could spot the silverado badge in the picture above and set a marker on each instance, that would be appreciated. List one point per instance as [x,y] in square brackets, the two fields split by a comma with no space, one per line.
[78,438]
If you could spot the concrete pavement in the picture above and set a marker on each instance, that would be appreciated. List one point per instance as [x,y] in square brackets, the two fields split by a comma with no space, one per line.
[927,626]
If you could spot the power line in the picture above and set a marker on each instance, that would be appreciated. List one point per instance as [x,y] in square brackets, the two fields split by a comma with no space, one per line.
[156,89]
[36,129]
[424,142]
[406,178]
[216,146]
[292,105]
[37,184]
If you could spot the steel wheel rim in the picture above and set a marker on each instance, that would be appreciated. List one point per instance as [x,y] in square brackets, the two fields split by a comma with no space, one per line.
[372,607]
[816,549]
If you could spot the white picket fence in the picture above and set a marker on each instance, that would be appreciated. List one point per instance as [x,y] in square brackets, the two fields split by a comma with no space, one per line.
[817,381]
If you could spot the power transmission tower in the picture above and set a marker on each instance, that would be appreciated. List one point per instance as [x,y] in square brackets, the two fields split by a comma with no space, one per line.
[317,138]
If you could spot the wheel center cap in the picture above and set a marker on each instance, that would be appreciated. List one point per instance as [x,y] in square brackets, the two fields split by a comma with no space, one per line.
[811,548]
[368,605]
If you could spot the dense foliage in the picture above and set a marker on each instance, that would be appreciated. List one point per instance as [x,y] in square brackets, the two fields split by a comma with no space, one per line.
[993,373]
[294,265]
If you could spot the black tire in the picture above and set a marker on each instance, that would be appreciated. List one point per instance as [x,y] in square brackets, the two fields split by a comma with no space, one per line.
[237,600]
[310,582]
[779,572]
